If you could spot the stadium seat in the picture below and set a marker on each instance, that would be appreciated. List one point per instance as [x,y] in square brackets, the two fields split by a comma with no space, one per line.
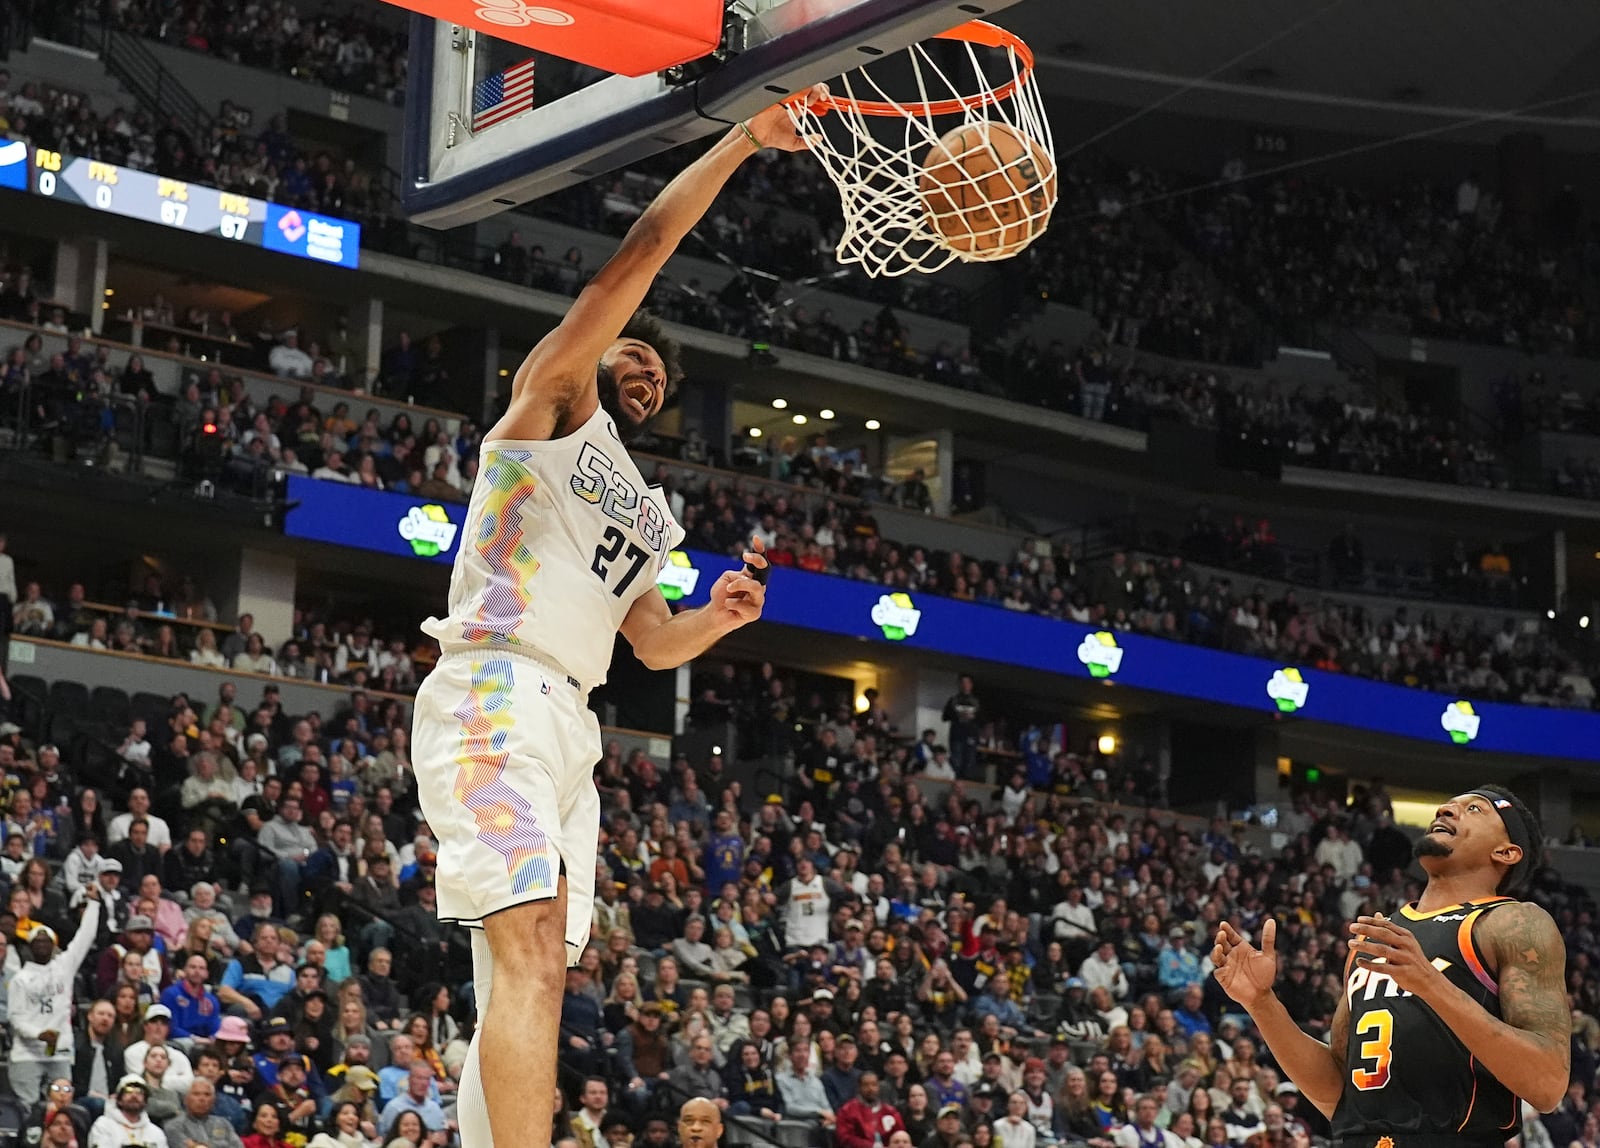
[152,707]
[29,702]
[109,705]
[69,698]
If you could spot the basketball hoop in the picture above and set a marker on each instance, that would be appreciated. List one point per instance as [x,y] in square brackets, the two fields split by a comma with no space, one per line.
[964,170]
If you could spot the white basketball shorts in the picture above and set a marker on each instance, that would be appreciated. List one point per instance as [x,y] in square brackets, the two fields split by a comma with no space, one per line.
[504,750]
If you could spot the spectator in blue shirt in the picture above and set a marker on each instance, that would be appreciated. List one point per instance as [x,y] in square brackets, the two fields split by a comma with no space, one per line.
[254,984]
[1177,966]
[995,1001]
[416,1098]
[724,854]
[1190,1015]
[392,1077]
[196,1012]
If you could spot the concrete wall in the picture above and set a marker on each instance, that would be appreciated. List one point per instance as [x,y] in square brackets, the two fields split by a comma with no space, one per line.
[54,661]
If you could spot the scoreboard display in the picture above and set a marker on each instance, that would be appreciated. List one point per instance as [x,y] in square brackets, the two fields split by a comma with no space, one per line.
[192,207]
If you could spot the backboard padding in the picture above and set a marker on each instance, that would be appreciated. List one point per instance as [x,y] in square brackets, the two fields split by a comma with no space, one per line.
[453,177]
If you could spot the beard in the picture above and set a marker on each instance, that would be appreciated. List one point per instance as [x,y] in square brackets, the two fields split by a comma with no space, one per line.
[1430,846]
[605,381]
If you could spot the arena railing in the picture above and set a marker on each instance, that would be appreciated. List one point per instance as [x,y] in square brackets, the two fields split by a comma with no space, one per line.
[173,372]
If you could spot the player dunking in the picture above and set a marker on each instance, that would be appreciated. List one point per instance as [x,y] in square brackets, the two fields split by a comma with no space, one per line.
[1451,1010]
[560,551]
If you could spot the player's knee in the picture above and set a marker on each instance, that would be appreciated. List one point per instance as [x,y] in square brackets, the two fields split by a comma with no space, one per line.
[528,943]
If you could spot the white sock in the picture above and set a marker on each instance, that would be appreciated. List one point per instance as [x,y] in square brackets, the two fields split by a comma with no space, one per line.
[472,1111]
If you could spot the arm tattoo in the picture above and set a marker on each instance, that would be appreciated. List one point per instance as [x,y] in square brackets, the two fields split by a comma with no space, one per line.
[1530,963]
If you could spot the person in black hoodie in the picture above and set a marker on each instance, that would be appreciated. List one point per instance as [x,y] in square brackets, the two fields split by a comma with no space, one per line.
[752,1088]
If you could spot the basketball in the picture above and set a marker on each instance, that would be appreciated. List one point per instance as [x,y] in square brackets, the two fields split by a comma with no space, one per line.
[988,189]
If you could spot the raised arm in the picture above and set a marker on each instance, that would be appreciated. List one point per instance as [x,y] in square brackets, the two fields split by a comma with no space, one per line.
[559,374]
[1247,974]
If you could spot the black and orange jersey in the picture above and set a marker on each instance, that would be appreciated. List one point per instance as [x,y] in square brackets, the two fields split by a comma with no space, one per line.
[1408,1078]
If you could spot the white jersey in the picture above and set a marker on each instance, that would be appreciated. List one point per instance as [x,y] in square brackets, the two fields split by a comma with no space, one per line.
[806,918]
[40,996]
[561,538]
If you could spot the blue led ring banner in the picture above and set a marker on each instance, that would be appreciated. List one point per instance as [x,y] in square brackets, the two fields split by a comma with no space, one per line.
[421,530]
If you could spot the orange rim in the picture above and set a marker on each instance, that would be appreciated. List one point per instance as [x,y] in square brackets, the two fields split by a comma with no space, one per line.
[979,32]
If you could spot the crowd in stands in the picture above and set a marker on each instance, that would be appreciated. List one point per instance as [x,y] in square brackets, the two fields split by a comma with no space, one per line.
[348,50]
[248,448]
[227,928]
[1154,594]
[266,163]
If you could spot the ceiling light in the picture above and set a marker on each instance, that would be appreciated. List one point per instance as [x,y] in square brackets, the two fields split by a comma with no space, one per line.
[799,420]
[825,413]
[1107,744]
[874,424]
[755,432]
[110,291]
[504,371]
[782,404]
[1583,622]
[1551,614]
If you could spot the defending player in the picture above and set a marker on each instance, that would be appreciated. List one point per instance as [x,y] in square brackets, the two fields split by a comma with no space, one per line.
[560,551]
[1451,1010]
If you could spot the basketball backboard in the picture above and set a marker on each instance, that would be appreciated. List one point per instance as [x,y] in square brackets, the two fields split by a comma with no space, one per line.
[585,122]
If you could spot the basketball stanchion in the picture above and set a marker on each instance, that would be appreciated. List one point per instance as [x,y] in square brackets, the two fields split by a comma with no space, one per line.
[964,170]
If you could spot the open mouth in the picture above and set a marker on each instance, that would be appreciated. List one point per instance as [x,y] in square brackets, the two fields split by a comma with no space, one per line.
[1441,827]
[639,394]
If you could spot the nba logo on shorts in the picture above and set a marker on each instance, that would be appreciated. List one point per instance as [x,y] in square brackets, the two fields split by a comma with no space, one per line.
[544,688]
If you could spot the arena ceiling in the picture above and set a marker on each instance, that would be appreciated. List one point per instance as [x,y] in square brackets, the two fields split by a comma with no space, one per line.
[1352,65]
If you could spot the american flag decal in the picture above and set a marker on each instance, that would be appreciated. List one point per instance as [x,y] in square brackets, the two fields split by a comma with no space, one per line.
[502,96]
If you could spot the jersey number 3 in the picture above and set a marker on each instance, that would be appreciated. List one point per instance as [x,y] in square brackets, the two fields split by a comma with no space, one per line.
[1380,1023]
[609,550]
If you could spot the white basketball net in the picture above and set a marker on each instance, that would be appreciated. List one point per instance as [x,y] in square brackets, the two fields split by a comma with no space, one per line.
[875,159]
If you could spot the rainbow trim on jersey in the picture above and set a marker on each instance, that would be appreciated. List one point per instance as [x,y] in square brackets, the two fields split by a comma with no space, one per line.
[505,820]
[500,543]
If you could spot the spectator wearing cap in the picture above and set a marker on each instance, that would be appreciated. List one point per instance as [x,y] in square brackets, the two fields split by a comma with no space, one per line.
[644,1054]
[138,937]
[947,1131]
[840,1078]
[293,1096]
[157,1024]
[1177,966]
[865,1120]
[254,982]
[260,912]
[804,1097]
[195,1010]
[125,1121]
